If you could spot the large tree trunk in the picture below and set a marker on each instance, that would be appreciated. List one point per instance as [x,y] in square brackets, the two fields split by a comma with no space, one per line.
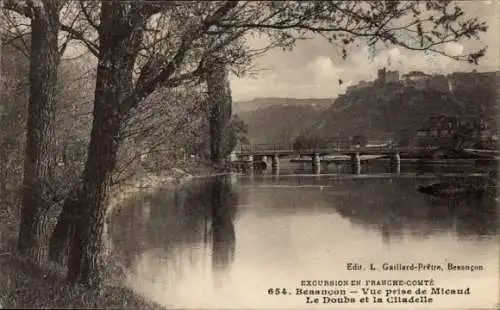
[3,184]
[85,259]
[39,152]
[219,107]
[113,87]
[62,234]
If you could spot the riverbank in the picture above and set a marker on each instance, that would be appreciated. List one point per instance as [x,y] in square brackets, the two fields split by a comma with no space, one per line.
[180,173]
[23,285]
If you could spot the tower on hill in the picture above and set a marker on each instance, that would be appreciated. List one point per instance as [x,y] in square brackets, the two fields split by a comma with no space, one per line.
[384,76]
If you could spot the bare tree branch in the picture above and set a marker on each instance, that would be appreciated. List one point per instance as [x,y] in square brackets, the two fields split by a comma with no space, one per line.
[74,34]
[15,31]
[87,15]
[20,7]
[68,37]
[143,87]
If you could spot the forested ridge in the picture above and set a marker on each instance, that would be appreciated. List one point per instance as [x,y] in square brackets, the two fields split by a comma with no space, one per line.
[279,123]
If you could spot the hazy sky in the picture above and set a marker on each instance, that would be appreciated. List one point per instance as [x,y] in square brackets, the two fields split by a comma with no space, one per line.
[314,67]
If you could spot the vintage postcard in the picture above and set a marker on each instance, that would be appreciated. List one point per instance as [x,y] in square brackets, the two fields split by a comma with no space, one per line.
[249,154]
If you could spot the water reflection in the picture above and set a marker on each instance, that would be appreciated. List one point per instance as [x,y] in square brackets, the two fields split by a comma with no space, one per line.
[172,223]
[394,207]
[385,166]
[390,205]
[222,203]
[230,239]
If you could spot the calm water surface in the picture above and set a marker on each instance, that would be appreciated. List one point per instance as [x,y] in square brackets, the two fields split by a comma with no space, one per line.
[223,242]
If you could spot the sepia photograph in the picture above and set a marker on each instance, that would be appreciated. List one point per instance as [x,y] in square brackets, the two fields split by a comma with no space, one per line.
[161,154]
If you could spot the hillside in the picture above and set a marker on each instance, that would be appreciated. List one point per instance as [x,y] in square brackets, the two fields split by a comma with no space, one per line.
[279,123]
[383,110]
[266,102]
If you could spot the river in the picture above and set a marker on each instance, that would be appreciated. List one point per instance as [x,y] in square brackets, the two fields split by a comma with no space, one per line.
[224,242]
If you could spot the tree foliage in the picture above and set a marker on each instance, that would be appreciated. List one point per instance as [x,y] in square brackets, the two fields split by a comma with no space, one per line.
[13,110]
[160,131]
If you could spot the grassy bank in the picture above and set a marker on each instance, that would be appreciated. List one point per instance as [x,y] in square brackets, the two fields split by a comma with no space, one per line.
[23,285]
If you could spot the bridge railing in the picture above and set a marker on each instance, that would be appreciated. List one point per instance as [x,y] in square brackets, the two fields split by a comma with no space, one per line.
[256,148]
[264,147]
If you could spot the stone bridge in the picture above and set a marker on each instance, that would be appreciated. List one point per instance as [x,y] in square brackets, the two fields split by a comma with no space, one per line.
[262,152]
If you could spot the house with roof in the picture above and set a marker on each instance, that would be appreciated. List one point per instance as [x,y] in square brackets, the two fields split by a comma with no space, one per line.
[444,131]
[437,131]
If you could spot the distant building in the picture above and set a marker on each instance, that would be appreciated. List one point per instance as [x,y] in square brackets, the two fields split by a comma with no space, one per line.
[391,76]
[233,156]
[360,85]
[381,76]
[384,77]
[441,131]
[460,80]
[437,131]
[417,79]
[421,80]
[416,75]
[450,86]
